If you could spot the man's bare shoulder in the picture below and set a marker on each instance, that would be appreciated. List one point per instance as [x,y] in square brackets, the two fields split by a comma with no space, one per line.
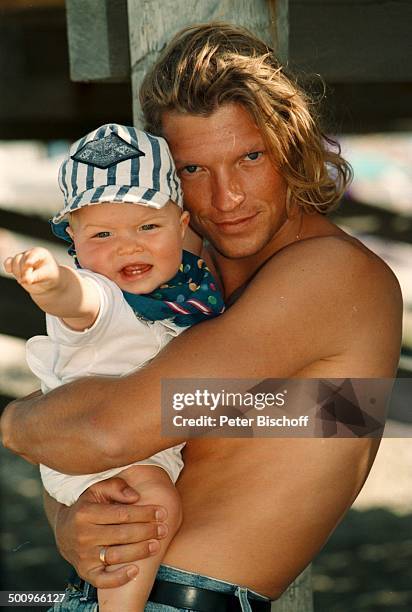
[339,260]
[334,299]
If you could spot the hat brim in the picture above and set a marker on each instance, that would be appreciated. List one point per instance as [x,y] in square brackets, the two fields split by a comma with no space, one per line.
[114,194]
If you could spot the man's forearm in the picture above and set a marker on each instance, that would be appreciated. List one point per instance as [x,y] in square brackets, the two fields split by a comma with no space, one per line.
[72,429]
[37,427]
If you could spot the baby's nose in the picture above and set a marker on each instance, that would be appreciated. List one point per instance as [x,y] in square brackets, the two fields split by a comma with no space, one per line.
[127,247]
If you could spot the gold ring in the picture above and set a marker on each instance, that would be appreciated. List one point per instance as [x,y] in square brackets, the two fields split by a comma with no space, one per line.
[102,556]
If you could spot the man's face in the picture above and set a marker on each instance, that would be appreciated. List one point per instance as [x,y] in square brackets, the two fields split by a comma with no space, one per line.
[235,195]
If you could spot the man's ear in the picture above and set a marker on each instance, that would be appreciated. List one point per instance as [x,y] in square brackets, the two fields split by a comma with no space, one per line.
[70,232]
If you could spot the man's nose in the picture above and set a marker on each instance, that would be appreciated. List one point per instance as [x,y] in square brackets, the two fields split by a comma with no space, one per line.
[228,194]
[128,246]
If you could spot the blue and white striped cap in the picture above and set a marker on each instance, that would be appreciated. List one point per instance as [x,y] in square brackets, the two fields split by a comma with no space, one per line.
[117,163]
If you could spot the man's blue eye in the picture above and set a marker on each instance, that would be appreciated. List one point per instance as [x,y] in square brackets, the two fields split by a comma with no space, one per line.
[102,234]
[253,155]
[191,169]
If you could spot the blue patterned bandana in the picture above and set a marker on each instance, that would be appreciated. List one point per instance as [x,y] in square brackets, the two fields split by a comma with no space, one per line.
[190,297]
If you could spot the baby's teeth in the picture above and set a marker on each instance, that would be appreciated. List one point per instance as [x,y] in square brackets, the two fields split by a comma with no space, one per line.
[135,271]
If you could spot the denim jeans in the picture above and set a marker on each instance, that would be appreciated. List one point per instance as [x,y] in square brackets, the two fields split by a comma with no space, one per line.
[83,601]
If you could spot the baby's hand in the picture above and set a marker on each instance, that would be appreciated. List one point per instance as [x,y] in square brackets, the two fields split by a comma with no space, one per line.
[35,270]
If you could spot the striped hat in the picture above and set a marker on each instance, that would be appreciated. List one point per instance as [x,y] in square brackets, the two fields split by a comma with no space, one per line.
[116,163]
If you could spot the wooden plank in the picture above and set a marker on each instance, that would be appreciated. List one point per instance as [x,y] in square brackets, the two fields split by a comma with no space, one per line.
[279,28]
[352,40]
[152,25]
[98,40]
[298,596]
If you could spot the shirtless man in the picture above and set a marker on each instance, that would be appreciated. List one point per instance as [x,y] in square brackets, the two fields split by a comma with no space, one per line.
[257,175]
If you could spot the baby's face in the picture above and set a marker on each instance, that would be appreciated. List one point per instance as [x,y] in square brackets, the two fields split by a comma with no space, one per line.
[137,247]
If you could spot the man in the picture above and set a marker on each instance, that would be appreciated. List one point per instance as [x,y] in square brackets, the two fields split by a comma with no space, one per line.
[307,301]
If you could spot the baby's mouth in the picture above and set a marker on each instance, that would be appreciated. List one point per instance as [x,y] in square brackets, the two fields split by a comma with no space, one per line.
[135,270]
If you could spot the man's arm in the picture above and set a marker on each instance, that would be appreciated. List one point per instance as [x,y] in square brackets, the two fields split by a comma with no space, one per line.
[57,290]
[315,307]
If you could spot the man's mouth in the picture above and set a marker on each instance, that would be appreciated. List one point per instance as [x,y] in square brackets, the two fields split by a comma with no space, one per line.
[134,271]
[235,225]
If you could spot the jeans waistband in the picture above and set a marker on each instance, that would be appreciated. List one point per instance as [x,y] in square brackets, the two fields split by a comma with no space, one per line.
[166,572]
[183,577]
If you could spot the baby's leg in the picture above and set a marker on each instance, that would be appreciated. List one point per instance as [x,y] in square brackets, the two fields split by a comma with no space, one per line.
[154,487]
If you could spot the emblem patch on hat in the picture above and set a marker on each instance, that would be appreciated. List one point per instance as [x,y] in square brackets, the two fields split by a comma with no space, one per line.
[107,151]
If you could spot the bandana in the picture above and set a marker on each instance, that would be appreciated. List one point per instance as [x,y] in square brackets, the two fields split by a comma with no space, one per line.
[190,297]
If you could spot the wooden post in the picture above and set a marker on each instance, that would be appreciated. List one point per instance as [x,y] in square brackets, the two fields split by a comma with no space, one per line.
[98,40]
[298,597]
[152,25]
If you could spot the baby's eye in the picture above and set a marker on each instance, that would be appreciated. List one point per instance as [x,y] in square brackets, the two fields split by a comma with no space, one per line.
[102,235]
[148,226]
[191,169]
[254,155]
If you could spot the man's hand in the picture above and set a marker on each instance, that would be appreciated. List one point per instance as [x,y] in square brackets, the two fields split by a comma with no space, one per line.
[35,270]
[106,516]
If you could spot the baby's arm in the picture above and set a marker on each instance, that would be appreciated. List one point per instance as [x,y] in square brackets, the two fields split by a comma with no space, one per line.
[57,290]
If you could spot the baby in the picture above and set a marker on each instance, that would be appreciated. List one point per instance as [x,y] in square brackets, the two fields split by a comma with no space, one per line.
[131,293]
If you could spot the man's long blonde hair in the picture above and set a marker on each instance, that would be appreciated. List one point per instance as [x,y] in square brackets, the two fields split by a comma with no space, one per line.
[208,65]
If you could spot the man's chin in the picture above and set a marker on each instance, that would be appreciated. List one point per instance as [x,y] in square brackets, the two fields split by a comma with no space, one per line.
[236,249]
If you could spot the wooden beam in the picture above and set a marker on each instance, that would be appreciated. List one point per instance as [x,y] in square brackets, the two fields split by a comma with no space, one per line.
[98,40]
[279,28]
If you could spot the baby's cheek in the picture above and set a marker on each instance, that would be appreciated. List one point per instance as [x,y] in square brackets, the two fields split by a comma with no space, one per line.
[171,262]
